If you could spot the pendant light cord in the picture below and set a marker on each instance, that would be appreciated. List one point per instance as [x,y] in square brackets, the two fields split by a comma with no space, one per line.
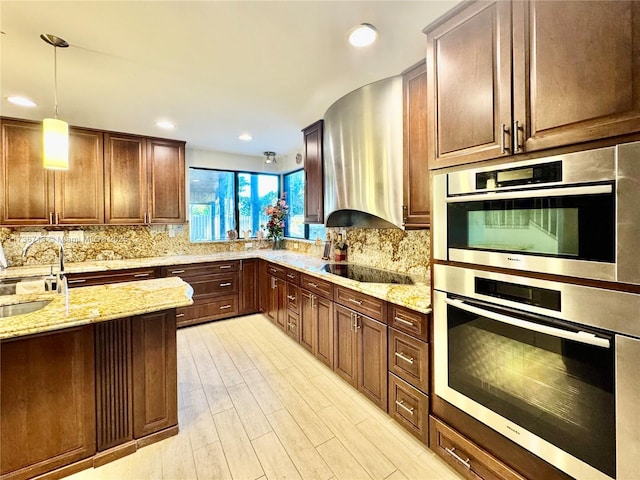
[55,82]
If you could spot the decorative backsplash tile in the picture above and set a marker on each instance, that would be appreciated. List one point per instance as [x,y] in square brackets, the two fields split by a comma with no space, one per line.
[389,249]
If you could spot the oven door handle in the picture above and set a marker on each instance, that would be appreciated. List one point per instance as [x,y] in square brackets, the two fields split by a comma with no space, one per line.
[543,192]
[580,337]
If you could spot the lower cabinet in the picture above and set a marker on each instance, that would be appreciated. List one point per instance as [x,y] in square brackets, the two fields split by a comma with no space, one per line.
[465,457]
[277,301]
[360,353]
[409,407]
[316,326]
[248,296]
[47,419]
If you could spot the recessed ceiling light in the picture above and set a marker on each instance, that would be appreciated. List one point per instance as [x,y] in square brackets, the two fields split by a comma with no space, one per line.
[21,101]
[363,35]
[165,124]
[245,137]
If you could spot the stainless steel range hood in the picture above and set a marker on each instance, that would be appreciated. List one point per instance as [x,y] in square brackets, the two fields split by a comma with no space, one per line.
[363,157]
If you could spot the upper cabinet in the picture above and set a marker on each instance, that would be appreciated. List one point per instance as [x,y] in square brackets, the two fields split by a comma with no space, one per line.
[416,210]
[112,179]
[506,78]
[32,195]
[313,173]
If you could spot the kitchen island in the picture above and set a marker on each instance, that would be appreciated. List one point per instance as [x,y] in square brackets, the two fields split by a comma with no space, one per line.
[89,380]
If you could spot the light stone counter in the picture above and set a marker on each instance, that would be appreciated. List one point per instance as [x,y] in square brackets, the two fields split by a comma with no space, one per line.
[416,297]
[95,304]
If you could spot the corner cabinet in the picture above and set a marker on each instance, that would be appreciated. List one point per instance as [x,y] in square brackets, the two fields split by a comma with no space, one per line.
[313,173]
[416,209]
[511,77]
[32,195]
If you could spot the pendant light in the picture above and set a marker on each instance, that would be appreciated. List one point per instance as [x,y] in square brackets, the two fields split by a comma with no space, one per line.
[270,157]
[55,132]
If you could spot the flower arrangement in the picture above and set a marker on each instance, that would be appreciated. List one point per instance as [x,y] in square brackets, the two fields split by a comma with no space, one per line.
[277,215]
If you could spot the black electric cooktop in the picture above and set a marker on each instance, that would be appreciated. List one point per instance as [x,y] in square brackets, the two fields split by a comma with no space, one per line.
[361,273]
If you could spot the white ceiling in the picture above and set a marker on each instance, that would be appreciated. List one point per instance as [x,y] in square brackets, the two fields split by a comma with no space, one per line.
[215,68]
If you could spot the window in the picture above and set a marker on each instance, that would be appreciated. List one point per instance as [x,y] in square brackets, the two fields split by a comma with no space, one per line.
[220,201]
[295,226]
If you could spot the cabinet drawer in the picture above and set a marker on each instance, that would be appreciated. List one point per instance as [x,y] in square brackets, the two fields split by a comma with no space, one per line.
[292,276]
[292,325]
[203,311]
[277,271]
[409,407]
[213,285]
[465,457]
[362,303]
[317,286]
[103,278]
[409,359]
[409,321]
[293,298]
[185,271]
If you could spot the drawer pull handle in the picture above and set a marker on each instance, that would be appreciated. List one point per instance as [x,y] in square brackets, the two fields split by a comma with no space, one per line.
[224,307]
[79,280]
[357,302]
[223,267]
[406,322]
[291,297]
[402,356]
[452,451]
[179,315]
[273,270]
[314,285]
[290,275]
[175,272]
[400,403]
[228,284]
[138,275]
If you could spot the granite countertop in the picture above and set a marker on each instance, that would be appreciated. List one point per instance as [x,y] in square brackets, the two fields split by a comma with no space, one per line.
[416,297]
[94,304]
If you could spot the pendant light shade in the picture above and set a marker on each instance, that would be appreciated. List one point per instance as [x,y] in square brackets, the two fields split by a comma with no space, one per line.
[55,132]
[56,144]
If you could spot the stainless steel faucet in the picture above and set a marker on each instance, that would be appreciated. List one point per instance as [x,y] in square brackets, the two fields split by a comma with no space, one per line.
[61,286]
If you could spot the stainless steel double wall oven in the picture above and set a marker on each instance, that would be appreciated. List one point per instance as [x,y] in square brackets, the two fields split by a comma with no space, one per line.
[550,364]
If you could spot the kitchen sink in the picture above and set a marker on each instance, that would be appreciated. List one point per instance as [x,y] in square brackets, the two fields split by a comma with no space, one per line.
[22,308]
[366,274]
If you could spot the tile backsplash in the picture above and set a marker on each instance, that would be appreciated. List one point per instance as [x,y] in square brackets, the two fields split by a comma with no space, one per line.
[390,249]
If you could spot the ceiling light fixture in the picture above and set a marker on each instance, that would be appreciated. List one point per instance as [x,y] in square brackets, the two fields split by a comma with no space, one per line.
[271,157]
[245,137]
[166,125]
[55,132]
[21,101]
[363,35]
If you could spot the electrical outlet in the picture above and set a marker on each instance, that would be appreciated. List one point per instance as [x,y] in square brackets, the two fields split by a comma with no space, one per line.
[295,245]
[248,245]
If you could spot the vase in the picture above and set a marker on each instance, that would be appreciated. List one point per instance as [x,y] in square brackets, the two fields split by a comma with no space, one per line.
[278,244]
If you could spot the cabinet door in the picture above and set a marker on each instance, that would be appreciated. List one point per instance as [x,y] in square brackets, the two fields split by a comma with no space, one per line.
[47,419]
[372,360]
[248,286]
[313,173]
[27,196]
[416,207]
[344,340]
[166,181]
[155,379]
[281,293]
[323,341]
[576,71]
[308,318]
[125,183]
[79,191]
[469,85]
[264,286]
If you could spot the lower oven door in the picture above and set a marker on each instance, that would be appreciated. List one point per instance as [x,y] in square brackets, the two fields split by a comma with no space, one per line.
[543,383]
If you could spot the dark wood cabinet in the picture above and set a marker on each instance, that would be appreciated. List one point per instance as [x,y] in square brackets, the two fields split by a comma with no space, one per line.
[215,290]
[154,372]
[112,276]
[125,167]
[409,407]
[47,419]
[360,353]
[416,208]
[264,287]
[308,318]
[512,77]
[277,301]
[166,181]
[316,330]
[313,173]
[32,195]
[248,297]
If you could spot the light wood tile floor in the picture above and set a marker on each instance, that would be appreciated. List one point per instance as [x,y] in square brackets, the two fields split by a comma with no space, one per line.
[253,405]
